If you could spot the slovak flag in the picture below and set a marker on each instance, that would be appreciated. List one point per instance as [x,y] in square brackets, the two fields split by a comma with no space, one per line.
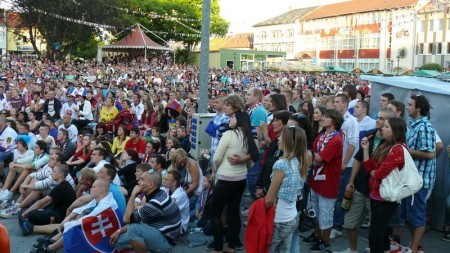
[92,232]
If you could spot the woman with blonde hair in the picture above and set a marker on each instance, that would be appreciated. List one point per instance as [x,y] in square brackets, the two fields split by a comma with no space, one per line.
[288,176]
[191,174]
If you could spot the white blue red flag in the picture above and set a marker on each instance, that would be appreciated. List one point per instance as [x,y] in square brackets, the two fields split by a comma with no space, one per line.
[92,232]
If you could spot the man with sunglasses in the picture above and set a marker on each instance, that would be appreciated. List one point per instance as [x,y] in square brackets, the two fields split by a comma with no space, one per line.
[154,226]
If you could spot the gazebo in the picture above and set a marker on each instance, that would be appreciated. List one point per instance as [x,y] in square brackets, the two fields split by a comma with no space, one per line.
[137,40]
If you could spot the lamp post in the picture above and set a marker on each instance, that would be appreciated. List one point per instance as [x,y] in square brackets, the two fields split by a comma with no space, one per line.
[398,63]
[331,60]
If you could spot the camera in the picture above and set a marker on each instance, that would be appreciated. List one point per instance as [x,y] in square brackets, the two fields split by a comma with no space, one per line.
[311,213]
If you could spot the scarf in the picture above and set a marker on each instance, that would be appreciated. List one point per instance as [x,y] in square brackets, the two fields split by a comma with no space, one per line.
[324,139]
[251,110]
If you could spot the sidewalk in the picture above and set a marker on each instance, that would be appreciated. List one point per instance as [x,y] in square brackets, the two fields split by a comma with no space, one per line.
[432,241]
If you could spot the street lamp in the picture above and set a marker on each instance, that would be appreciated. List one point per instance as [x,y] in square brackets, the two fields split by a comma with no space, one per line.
[398,63]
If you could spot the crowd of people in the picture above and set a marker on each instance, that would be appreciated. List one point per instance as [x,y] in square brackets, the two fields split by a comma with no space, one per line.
[75,134]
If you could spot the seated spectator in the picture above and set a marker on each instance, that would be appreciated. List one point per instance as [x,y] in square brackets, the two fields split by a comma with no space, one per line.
[127,165]
[51,207]
[81,156]
[191,174]
[67,147]
[22,167]
[153,147]
[20,152]
[153,227]
[171,143]
[178,194]
[98,158]
[100,192]
[44,134]
[136,142]
[72,131]
[197,212]
[120,140]
[184,138]
[7,144]
[23,132]
[127,188]
[37,182]
[85,181]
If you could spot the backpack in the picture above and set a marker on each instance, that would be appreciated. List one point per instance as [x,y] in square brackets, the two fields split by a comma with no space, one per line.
[400,184]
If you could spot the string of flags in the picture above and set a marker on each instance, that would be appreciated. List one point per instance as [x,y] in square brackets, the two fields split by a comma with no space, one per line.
[108,27]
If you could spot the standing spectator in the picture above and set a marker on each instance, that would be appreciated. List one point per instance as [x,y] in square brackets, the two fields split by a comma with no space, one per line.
[324,182]
[421,140]
[297,101]
[350,136]
[350,91]
[384,101]
[388,157]
[366,123]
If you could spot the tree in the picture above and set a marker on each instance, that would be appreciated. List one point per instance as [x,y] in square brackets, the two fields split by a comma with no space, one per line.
[64,37]
[432,66]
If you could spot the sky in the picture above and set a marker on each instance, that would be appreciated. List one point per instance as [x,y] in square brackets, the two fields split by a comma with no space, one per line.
[243,14]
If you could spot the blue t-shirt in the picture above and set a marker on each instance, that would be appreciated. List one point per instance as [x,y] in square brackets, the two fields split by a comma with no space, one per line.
[118,196]
[258,115]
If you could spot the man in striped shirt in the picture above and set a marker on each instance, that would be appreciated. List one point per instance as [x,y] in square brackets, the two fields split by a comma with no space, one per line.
[154,226]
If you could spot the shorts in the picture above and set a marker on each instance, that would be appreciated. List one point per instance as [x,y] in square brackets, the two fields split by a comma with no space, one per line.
[355,214]
[324,208]
[416,214]
[143,233]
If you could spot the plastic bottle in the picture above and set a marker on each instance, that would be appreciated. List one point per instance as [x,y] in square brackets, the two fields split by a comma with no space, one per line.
[347,200]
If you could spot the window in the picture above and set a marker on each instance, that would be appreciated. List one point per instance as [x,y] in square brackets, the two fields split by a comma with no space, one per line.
[439,48]
[275,47]
[370,40]
[420,48]
[448,48]
[423,26]
[430,48]
[328,43]
[347,43]
[440,25]
[246,57]
[290,33]
[289,48]
[262,35]
[260,58]
[277,34]
[431,25]
[310,44]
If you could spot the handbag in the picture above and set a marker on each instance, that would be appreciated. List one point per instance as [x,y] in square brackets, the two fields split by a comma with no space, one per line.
[400,184]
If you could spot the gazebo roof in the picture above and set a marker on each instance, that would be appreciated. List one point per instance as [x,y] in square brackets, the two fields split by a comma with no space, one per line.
[137,39]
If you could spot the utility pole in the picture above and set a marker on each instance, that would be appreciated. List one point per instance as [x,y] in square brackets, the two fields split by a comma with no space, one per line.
[204,57]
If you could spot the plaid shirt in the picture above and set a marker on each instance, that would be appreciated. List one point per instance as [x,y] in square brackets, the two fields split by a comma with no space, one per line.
[421,137]
[292,183]
[218,120]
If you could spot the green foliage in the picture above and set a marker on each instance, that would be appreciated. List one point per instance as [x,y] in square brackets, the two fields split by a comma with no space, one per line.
[432,66]
[183,56]
[87,49]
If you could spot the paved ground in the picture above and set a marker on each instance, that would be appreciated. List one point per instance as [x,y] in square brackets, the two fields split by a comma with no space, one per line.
[432,242]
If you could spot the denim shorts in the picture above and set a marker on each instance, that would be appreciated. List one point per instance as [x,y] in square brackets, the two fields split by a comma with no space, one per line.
[416,214]
[282,236]
[324,208]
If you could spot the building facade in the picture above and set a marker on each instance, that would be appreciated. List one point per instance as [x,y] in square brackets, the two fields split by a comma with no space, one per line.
[386,36]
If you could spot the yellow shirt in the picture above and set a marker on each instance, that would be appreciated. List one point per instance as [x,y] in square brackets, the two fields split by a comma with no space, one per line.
[106,116]
[117,147]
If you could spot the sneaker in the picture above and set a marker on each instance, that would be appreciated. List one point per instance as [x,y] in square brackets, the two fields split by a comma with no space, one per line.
[335,233]
[446,237]
[346,251]
[420,249]
[310,240]
[6,195]
[210,246]
[27,228]
[10,212]
[366,222]
[395,247]
[5,204]
[320,246]
[239,245]
[406,250]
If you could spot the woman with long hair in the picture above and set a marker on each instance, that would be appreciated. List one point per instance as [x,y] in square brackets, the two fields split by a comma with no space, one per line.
[161,119]
[317,128]
[109,155]
[148,118]
[231,179]
[81,156]
[388,156]
[308,108]
[120,140]
[127,165]
[33,122]
[288,176]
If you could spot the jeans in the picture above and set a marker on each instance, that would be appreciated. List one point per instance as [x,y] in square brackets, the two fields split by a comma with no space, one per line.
[381,213]
[339,213]
[43,216]
[141,232]
[252,178]
[227,193]
[282,236]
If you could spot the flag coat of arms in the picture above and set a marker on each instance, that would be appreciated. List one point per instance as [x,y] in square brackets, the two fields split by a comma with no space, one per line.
[92,232]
